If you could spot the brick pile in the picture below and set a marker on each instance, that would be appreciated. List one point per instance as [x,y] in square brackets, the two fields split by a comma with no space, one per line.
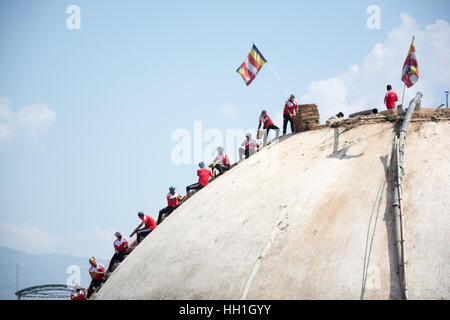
[307,117]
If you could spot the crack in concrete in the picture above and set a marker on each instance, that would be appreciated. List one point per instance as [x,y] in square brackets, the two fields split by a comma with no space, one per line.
[280,227]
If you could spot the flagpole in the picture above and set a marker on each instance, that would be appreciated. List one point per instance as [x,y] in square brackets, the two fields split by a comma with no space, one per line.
[403,97]
[276,75]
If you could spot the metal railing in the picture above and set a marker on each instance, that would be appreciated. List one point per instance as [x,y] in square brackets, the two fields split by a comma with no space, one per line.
[46,291]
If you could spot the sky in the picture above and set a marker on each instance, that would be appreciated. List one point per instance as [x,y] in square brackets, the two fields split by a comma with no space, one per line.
[99,118]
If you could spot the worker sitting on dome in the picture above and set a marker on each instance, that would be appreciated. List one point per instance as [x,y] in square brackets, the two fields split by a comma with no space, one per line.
[173,201]
[249,145]
[203,178]
[78,294]
[150,225]
[120,250]
[221,162]
[97,273]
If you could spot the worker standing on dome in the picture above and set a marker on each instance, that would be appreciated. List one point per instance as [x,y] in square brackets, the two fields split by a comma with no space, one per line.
[249,145]
[390,99]
[150,225]
[289,112]
[203,178]
[267,125]
[120,250]
[173,199]
[97,273]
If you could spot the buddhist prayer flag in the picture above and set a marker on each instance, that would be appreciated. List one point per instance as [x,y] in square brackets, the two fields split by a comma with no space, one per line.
[251,66]
[410,73]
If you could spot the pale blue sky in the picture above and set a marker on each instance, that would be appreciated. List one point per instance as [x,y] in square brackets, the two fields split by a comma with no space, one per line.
[138,70]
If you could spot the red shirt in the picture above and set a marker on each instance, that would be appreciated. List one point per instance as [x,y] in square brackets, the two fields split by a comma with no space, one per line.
[203,176]
[266,120]
[250,144]
[99,267]
[172,199]
[77,295]
[149,222]
[120,245]
[390,99]
[223,159]
[290,107]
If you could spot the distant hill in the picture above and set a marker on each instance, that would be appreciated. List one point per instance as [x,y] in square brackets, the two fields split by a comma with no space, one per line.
[37,269]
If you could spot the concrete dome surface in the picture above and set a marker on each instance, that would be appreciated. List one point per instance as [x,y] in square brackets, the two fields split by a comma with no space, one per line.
[292,222]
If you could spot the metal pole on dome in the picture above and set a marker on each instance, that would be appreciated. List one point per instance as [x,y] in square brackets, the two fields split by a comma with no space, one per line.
[446,99]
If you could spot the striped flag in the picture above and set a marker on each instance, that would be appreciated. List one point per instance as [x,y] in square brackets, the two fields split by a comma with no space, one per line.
[251,66]
[410,72]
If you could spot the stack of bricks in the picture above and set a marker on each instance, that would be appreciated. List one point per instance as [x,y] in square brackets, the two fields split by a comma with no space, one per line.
[307,117]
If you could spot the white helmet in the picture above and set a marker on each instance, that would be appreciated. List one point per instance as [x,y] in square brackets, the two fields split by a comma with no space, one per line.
[77,286]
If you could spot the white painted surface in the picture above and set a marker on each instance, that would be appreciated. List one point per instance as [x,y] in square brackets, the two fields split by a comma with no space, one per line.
[426,193]
[289,223]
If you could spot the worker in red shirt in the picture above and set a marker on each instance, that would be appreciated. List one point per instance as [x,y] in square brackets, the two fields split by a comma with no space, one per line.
[78,294]
[150,225]
[267,125]
[203,178]
[173,201]
[97,273]
[221,162]
[120,250]
[390,99]
[249,145]
[290,110]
